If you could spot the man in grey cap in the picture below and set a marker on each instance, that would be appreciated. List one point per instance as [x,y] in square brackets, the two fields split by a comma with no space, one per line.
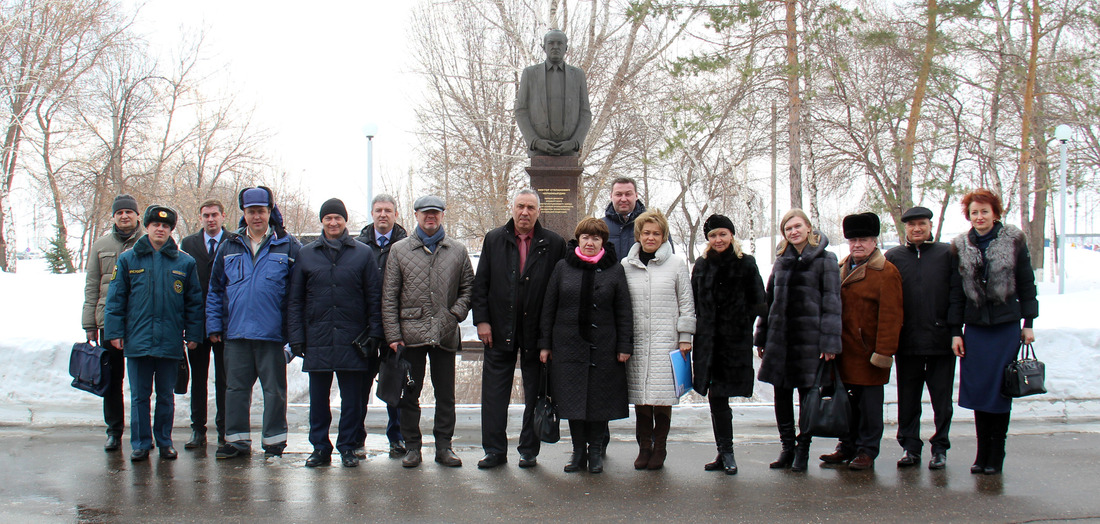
[125,232]
[425,294]
[933,298]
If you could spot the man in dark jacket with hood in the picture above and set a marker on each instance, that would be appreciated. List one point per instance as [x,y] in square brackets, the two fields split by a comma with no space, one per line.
[515,266]
[621,212]
[933,297]
[335,301]
[153,304]
[379,236]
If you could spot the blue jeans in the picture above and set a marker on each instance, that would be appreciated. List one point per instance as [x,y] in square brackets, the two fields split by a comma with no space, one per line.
[145,373]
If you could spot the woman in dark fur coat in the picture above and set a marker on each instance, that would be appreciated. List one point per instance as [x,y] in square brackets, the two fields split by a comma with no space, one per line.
[801,328]
[586,335]
[999,284]
[729,295]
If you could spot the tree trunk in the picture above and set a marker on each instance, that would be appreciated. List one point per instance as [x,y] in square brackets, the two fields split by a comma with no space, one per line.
[794,107]
[1025,137]
[905,175]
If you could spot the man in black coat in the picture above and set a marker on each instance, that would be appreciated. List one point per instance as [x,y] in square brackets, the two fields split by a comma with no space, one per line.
[201,246]
[933,303]
[515,266]
[379,236]
[333,305]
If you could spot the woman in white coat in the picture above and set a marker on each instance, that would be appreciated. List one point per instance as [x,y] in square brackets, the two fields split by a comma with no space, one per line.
[664,319]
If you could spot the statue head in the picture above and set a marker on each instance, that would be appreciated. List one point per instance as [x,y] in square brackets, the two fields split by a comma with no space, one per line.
[555,44]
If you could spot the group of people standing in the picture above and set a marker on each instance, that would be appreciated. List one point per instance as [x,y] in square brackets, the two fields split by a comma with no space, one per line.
[595,321]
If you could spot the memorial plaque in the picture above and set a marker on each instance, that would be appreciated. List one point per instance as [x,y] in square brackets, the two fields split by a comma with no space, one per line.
[557,180]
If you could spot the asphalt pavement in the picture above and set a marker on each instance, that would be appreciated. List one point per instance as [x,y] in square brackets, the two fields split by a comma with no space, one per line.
[62,474]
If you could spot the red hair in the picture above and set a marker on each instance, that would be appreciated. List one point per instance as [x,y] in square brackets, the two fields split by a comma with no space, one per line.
[982,196]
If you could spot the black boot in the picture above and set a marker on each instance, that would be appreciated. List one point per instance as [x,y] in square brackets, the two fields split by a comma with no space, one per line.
[595,457]
[579,459]
[725,447]
[644,433]
[801,455]
[784,422]
[981,431]
[998,435]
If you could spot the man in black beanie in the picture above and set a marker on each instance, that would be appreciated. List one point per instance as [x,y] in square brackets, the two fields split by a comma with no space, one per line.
[125,231]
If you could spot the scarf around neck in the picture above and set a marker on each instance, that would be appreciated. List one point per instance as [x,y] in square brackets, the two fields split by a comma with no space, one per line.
[590,259]
[431,242]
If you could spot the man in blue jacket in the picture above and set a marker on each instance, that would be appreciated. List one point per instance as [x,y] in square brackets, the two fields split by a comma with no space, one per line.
[246,307]
[154,303]
[620,214]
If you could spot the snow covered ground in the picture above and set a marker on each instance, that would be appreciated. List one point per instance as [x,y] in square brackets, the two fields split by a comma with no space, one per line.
[40,321]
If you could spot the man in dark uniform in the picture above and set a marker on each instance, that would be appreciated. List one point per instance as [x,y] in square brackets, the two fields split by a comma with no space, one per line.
[933,296]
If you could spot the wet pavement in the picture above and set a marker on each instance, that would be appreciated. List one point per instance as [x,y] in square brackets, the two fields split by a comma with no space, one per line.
[61,474]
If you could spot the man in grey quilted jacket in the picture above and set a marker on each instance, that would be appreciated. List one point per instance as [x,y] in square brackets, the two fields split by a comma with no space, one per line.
[425,294]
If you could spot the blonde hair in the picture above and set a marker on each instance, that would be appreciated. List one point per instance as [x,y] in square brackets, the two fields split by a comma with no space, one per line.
[653,216]
[813,238]
[735,245]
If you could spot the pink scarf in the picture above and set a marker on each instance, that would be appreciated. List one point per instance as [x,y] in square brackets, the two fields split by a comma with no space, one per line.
[590,259]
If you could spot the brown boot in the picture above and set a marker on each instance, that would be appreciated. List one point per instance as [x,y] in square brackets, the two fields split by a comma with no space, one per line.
[644,432]
[662,421]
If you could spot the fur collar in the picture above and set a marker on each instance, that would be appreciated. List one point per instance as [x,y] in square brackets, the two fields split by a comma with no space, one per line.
[876,262]
[1000,257]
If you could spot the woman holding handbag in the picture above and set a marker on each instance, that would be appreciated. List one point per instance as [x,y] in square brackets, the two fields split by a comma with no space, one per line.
[586,327]
[664,319]
[802,326]
[999,284]
[729,295]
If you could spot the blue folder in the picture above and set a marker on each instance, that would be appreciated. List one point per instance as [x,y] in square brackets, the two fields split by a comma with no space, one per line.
[681,370]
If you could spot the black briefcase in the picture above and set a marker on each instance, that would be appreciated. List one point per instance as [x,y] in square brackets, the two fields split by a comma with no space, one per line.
[394,377]
[90,368]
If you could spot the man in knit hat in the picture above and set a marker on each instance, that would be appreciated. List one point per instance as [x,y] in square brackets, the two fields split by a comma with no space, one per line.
[125,231]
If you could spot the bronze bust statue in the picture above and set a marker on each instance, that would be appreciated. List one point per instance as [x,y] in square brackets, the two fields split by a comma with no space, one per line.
[552,109]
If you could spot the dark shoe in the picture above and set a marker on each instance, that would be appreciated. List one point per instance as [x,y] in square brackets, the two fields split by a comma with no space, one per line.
[729,464]
[348,459]
[112,444]
[168,453]
[492,460]
[412,458]
[360,452]
[836,457]
[447,457]
[398,449]
[139,455]
[319,458]
[527,460]
[786,458]
[645,452]
[939,461]
[908,460]
[577,462]
[229,451]
[862,462]
[712,466]
[990,470]
[274,451]
[977,469]
[198,440]
[595,458]
[657,459]
[801,458]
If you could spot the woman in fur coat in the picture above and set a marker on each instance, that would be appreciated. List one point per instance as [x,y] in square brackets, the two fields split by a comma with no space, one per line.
[999,284]
[729,295]
[664,319]
[801,328]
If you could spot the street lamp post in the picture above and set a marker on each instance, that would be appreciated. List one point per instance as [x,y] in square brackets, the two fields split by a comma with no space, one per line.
[370,130]
[1063,134]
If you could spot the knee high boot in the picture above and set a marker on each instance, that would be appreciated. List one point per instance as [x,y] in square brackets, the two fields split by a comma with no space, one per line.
[579,435]
[784,421]
[644,432]
[981,431]
[722,422]
[596,430]
[998,435]
[662,422]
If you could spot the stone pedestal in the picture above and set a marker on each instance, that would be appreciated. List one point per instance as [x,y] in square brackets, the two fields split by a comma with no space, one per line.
[557,179]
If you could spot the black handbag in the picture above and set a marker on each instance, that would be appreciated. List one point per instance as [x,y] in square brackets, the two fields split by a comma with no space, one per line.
[366,345]
[182,375]
[1025,376]
[545,419]
[826,410]
[90,367]
[394,377]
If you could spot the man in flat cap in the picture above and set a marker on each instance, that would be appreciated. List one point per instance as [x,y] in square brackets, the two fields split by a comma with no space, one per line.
[425,294]
[934,303]
[871,313]
[154,303]
[125,232]
[246,307]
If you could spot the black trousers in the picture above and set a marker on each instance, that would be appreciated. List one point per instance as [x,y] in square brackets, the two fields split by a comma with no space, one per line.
[199,360]
[865,428]
[352,410]
[497,374]
[784,415]
[913,374]
[114,406]
[443,381]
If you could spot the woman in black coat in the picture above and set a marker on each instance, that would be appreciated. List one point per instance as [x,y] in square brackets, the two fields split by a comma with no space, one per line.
[334,297]
[999,284]
[802,326]
[729,295]
[586,331]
